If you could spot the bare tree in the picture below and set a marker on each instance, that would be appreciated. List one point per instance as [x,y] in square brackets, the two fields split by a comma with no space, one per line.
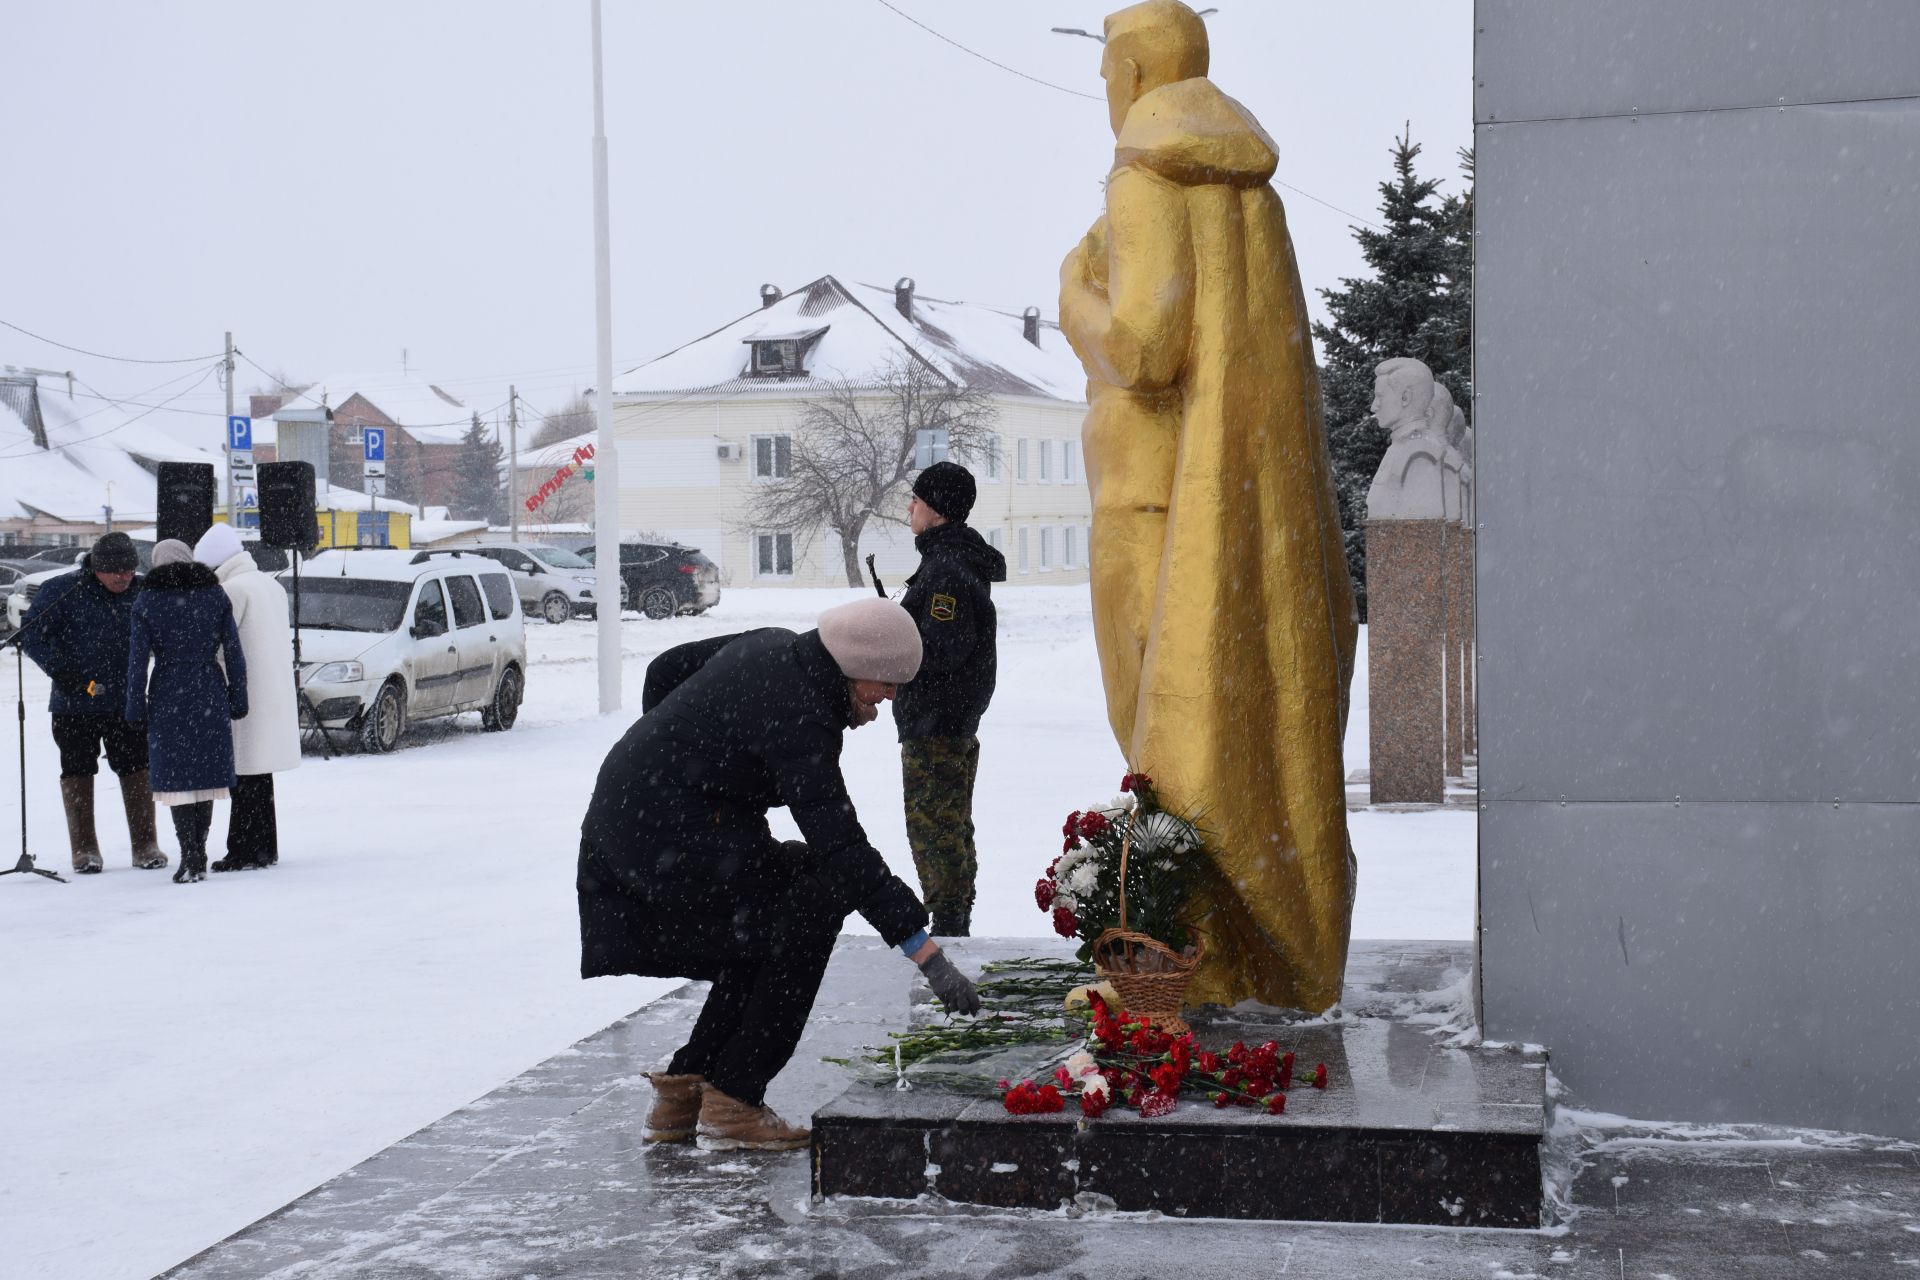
[564,424]
[858,445]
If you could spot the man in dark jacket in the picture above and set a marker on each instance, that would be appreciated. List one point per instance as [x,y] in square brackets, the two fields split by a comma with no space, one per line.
[79,631]
[681,876]
[951,601]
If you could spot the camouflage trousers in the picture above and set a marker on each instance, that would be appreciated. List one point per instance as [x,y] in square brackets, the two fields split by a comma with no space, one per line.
[938,778]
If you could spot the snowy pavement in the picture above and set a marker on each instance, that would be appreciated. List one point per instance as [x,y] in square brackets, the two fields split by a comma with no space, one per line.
[185,1059]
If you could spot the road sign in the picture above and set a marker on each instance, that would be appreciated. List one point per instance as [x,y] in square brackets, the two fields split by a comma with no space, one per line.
[240,472]
[372,469]
[377,486]
[375,440]
[240,434]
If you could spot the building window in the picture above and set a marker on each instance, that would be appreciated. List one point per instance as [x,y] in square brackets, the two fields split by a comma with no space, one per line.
[1046,462]
[773,555]
[1024,562]
[929,447]
[1069,547]
[1069,461]
[775,359]
[992,463]
[1020,461]
[1046,549]
[772,457]
[997,539]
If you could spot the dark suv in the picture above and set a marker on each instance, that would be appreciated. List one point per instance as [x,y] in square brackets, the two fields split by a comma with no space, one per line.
[663,579]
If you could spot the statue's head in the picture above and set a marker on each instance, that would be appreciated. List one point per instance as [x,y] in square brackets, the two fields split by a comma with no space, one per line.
[1402,392]
[1150,45]
[1457,429]
[1440,412]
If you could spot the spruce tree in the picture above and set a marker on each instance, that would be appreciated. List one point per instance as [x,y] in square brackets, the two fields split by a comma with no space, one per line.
[477,491]
[1418,303]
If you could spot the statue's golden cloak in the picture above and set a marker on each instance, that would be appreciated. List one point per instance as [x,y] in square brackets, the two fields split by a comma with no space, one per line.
[1240,704]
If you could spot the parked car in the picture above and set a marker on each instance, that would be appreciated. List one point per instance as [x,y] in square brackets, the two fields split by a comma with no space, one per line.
[390,637]
[553,583]
[11,572]
[662,579]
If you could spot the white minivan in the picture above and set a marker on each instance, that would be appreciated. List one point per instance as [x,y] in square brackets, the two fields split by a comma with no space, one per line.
[388,637]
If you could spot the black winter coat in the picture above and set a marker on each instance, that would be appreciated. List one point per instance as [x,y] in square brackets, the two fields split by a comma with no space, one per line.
[182,621]
[951,600]
[78,631]
[677,862]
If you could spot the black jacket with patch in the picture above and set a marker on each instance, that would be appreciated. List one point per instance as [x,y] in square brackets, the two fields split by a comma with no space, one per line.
[678,867]
[951,600]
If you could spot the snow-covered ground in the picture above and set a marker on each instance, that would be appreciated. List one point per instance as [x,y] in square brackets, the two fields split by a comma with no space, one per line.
[181,1060]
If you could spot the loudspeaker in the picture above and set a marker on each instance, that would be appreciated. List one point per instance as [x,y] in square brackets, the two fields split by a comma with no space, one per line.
[287,519]
[186,501]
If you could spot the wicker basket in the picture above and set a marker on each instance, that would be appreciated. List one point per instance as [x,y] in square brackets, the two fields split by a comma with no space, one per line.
[1150,976]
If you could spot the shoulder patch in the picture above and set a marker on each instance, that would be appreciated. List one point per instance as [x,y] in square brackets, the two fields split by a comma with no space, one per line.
[942,608]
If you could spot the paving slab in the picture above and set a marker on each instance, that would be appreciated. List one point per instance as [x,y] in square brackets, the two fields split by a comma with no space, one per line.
[547,1177]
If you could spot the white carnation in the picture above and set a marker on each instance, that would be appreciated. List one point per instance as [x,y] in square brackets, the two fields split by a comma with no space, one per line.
[1080,1063]
[1084,879]
[1095,1086]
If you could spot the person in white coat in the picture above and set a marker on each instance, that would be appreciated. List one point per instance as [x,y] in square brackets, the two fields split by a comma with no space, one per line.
[268,740]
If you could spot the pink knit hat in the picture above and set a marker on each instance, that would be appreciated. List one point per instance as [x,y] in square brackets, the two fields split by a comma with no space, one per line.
[872,640]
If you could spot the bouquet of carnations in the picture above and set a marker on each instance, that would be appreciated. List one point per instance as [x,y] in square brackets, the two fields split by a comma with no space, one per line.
[1161,851]
[1128,1060]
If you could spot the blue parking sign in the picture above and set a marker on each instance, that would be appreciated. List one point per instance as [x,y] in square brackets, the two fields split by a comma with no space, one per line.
[375,439]
[239,434]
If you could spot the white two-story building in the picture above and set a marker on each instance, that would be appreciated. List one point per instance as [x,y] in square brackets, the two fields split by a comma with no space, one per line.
[698,427]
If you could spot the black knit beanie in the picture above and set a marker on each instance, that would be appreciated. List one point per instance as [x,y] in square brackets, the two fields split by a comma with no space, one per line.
[948,488]
[113,553]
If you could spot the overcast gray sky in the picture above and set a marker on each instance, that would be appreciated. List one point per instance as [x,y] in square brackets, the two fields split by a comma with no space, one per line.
[338,182]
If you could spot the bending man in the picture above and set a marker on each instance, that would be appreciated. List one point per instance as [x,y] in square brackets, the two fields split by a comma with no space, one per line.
[680,876]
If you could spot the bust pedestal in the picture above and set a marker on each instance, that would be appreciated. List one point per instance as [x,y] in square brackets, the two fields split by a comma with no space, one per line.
[1407,573]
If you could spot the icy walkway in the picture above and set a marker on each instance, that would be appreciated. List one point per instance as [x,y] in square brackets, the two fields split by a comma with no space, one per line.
[547,1176]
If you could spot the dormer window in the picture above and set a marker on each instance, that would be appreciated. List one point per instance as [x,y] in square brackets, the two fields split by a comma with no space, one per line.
[781,355]
[775,359]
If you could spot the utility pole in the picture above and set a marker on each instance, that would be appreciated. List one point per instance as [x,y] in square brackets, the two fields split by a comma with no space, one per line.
[606,460]
[233,490]
[513,466]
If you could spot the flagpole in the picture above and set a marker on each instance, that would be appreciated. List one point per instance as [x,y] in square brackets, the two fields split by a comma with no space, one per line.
[606,458]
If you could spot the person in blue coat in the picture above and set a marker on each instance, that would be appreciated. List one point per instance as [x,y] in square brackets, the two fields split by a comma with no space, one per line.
[77,632]
[183,623]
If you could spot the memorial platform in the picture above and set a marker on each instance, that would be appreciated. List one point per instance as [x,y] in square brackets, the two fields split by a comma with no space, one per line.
[1408,1130]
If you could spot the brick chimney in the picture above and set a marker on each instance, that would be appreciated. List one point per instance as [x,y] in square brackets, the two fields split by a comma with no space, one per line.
[769,294]
[903,296]
[1030,325]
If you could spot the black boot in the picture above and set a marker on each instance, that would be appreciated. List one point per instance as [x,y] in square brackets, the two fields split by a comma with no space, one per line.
[191,823]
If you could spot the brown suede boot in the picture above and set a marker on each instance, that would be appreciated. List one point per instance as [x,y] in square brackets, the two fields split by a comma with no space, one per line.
[137,796]
[729,1125]
[77,795]
[676,1107]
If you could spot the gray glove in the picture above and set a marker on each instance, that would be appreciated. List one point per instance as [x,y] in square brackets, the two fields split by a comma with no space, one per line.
[952,986]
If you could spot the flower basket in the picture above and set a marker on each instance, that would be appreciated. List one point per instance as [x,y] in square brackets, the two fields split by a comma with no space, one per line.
[1150,976]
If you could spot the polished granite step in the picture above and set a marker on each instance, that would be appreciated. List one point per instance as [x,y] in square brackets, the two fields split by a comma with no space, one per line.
[1408,1130]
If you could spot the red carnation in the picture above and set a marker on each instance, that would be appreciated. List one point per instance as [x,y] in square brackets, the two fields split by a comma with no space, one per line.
[1320,1076]
[1157,1103]
[1276,1104]
[1043,892]
[1068,846]
[1072,824]
[1064,922]
[1093,1104]
[1126,782]
[1166,1078]
[1219,1099]
[1209,1062]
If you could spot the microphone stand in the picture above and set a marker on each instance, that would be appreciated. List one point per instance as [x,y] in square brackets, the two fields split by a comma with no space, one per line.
[25,865]
[313,712]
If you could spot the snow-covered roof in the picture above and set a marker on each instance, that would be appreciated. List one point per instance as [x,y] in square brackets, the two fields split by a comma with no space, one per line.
[860,331]
[430,413]
[553,455]
[385,564]
[87,446]
[423,532]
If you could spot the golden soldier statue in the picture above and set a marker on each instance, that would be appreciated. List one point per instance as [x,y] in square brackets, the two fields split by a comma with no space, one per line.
[1223,612]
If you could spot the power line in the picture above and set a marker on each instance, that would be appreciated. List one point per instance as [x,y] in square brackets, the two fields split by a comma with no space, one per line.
[119,404]
[99,355]
[1076,93]
[984,58]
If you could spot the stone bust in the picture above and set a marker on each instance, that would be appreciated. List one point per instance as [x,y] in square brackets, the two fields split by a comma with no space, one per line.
[1419,479]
